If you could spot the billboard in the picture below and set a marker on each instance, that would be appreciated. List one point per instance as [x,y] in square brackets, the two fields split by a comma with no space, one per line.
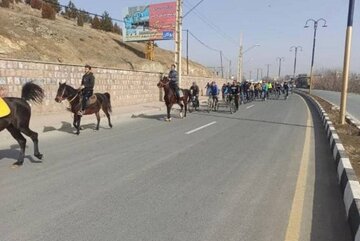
[150,22]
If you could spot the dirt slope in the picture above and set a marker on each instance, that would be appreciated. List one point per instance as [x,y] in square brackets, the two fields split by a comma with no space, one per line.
[25,35]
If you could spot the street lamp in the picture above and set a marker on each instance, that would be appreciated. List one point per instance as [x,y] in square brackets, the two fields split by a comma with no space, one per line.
[316,22]
[241,53]
[280,59]
[296,49]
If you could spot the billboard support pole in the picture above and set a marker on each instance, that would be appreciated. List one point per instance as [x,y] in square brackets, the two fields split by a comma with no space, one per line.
[178,38]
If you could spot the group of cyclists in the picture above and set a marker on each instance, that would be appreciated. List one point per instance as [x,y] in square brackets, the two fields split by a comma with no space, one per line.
[244,92]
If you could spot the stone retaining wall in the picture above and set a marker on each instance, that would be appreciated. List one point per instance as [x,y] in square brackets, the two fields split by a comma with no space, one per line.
[125,87]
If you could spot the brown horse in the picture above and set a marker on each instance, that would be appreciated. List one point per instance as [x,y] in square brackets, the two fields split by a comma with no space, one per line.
[17,121]
[170,97]
[66,92]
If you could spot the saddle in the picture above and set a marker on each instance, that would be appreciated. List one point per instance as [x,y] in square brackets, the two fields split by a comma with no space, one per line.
[91,100]
[4,108]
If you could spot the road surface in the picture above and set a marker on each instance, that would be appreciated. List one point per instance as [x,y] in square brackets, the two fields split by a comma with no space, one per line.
[353,101]
[211,176]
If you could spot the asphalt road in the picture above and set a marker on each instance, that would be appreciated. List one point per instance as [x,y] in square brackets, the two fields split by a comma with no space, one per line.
[145,179]
[353,101]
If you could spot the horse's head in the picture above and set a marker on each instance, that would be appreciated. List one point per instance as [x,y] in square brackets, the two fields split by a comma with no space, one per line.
[164,81]
[61,94]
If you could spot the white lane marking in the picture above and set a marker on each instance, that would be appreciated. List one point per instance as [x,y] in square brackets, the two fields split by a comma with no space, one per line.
[201,127]
[251,106]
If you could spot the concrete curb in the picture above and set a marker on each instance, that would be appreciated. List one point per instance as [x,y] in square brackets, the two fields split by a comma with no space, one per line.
[350,187]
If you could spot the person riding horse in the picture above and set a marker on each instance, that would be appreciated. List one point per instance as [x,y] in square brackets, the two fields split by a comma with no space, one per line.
[87,87]
[174,81]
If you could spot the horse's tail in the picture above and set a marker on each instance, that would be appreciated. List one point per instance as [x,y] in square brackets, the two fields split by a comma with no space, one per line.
[107,95]
[32,92]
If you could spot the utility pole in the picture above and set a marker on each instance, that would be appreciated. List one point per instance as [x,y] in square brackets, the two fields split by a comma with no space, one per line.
[280,59]
[240,62]
[221,65]
[187,51]
[178,38]
[296,49]
[230,69]
[267,73]
[257,74]
[346,61]
[250,75]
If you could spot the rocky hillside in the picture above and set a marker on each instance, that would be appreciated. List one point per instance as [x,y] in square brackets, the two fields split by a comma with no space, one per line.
[25,35]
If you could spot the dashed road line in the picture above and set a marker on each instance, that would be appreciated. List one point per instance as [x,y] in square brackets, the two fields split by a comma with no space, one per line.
[199,128]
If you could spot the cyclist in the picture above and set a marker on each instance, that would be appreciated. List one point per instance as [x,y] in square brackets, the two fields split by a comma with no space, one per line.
[213,93]
[286,89]
[235,91]
[194,90]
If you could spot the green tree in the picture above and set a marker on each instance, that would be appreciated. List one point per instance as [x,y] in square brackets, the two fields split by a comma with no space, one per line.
[95,23]
[70,10]
[80,19]
[106,23]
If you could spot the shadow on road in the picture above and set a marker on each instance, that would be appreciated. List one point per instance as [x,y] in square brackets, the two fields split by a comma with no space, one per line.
[68,128]
[329,221]
[13,153]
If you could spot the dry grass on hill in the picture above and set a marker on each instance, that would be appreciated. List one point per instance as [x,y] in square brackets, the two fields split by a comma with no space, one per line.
[25,35]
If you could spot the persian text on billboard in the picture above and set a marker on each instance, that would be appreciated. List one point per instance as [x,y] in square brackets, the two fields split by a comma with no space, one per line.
[151,22]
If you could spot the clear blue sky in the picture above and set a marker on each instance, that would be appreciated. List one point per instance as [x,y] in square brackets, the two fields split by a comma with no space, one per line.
[274,24]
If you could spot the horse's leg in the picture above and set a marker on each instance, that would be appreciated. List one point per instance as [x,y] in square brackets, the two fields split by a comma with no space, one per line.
[75,121]
[181,110]
[107,115]
[98,120]
[22,143]
[78,119]
[185,105]
[168,108]
[34,137]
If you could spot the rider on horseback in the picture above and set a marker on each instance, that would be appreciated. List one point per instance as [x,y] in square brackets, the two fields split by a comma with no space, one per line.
[174,81]
[87,87]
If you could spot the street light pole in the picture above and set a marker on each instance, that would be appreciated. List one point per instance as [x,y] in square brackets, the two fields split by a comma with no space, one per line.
[316,22]
[280,59]
[267,73]
[296,49]
[240,61]
[346,61]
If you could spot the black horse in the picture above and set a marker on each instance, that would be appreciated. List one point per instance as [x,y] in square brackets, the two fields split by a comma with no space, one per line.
[170,97]
[66,92]
[17,121]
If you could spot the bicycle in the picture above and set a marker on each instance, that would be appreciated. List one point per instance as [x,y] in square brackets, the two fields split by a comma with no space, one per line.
[230,102]
[194,104]
[213,103]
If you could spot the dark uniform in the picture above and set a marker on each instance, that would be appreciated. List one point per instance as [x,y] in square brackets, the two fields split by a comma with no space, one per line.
[235,91]
[194,90]
[88,81]
[174,83]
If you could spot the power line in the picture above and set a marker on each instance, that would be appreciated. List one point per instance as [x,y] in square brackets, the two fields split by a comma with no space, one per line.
[193,8]
[207,46]
[217,29]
